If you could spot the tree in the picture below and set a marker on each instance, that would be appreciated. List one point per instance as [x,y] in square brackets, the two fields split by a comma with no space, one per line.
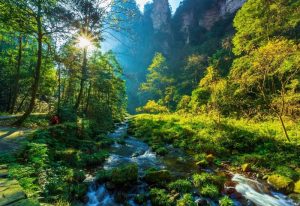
[158,79]
[195,68]
[258,21]
[271,74]
[153,107]
[38,16]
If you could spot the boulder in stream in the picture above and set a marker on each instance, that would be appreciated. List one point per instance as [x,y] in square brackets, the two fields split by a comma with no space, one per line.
[125,176]
[297,187]
[157,177]
[281,183]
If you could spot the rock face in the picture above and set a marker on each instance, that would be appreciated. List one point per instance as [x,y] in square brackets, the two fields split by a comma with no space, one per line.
[161,23]
[161,16]
[219,11]
[231,6]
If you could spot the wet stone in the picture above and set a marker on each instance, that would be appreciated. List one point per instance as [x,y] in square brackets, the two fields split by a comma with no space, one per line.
[10,192]
[3,173]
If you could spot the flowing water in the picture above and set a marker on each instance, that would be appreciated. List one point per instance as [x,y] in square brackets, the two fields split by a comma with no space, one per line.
[135,151]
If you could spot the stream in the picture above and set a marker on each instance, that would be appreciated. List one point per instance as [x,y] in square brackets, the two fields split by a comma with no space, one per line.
[253,192]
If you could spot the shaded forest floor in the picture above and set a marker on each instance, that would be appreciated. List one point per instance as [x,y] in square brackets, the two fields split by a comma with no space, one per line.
[11,138]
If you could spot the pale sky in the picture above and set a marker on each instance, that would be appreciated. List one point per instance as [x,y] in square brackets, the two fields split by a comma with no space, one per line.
[174,4]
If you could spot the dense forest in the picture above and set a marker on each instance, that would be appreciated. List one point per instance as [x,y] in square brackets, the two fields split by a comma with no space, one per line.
[106,103]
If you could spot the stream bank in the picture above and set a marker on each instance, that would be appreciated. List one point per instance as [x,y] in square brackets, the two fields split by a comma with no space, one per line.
[182,176]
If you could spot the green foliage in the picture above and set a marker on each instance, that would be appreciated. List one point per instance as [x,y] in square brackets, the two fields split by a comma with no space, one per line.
[240,141]
[226,201]
[37,155]
[187,199]
[140,199]
[157,80]
[199,100]
[256,23]
[202,179]
[159,197]
[183,104]
[287,172]
[181,185]
[152,108]
[209,190]
[103,176]
[125,176]
[94,159]
[157,177]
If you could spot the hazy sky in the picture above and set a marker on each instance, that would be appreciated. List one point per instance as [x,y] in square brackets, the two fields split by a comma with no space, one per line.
[174,4]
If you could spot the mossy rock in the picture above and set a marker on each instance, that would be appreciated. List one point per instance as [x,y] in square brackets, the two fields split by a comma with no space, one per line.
[157,177]
[297,187]
[3,173]
[295,197]
[125,176]
[140,199]
[161,151]
[210,190]
[181,185]
[103,176]
[281,183]
[159,197]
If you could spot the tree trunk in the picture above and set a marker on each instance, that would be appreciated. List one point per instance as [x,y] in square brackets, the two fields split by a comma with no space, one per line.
[17,77]
[282,111]
[21,104]
[37,73]
[83,78]
[59,89]
[88,99]
[284,128]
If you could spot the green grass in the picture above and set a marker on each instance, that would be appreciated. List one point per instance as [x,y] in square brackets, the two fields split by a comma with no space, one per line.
[51,162]
[35,120]
[239,141]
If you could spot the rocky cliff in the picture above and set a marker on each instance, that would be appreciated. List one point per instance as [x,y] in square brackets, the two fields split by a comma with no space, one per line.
[161,16]
[219,10]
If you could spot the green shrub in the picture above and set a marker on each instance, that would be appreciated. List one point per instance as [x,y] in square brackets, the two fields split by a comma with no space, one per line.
[161,151]
[103,176]
[200,179]
[159,197]
[287,172]
[94,159]
[153,108]
[125,176]
[186,200]
[140,199]
[157,177]
[37,154]
[209,190]
[78,190]
[181,185]
[226,201]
